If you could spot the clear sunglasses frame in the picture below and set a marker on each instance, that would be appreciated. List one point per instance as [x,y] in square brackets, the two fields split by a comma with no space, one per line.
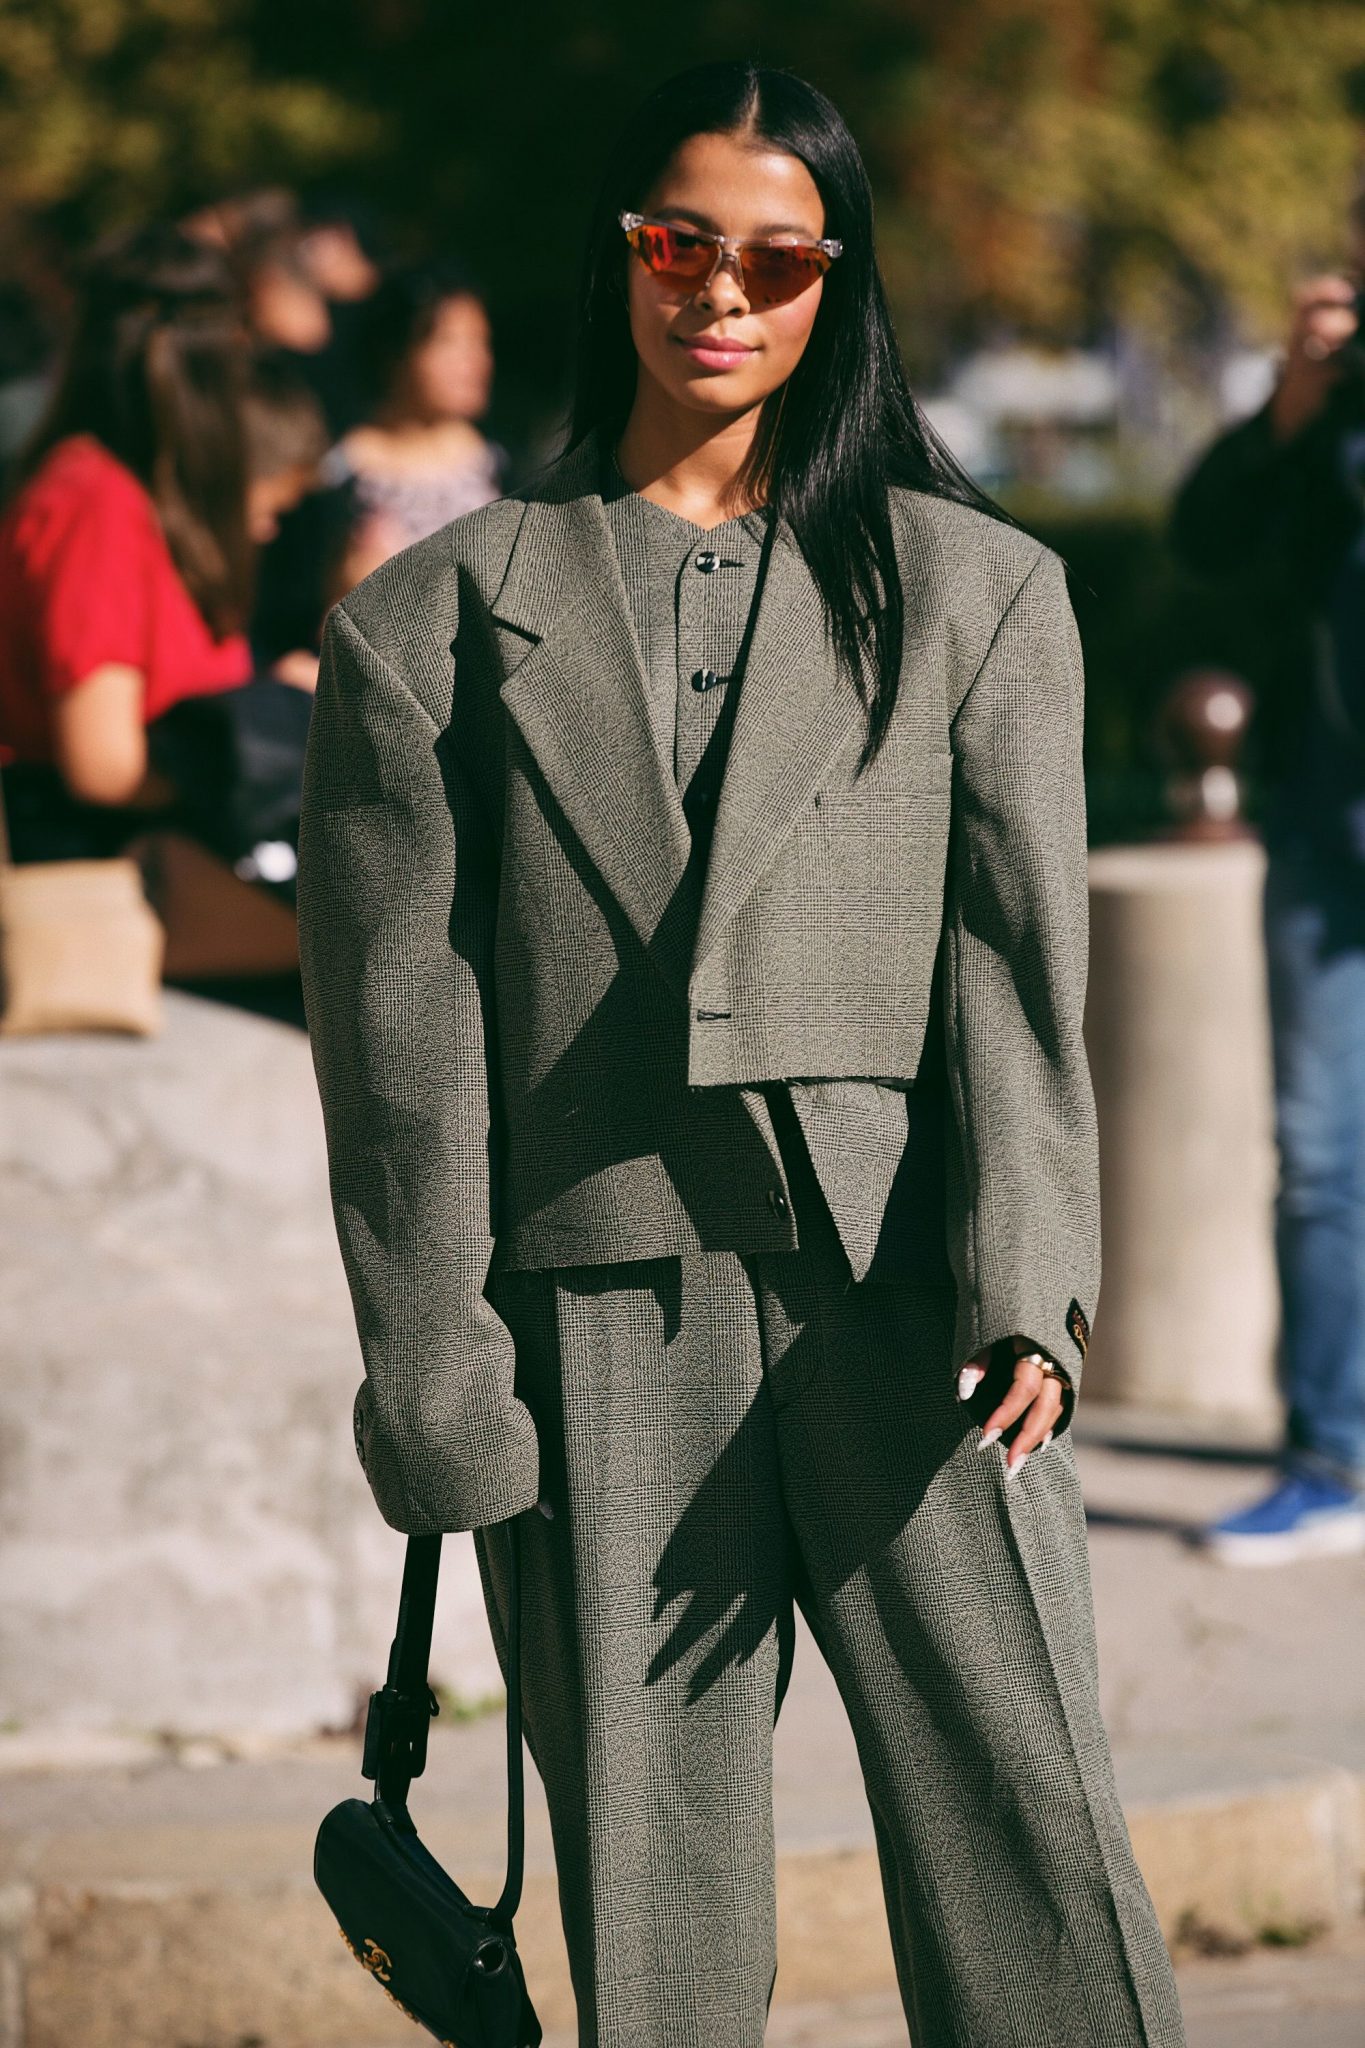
[730,248]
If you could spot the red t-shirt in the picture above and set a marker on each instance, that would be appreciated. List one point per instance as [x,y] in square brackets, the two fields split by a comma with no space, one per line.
[86,578]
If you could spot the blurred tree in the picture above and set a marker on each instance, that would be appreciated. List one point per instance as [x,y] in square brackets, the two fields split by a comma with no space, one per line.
[115,109]
[1042,166]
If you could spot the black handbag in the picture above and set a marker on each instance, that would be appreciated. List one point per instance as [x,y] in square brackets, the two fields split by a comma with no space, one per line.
[235,760]
[451,1965]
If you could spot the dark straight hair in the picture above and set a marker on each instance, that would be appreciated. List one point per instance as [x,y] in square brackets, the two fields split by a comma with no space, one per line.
[154,369]
[845,426]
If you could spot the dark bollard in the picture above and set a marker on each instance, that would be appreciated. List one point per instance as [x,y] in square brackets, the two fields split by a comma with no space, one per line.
[1201,730]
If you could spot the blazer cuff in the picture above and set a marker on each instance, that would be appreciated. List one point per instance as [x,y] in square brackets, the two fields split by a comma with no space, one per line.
[463,1467]
[1061,1331]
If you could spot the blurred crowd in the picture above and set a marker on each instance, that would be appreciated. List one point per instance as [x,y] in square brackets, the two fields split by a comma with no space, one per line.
[210,429]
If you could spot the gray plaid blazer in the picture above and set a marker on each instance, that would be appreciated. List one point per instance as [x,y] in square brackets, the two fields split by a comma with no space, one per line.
[532,1017]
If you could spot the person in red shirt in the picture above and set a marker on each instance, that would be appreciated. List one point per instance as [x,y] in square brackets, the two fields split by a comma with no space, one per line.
[126,550]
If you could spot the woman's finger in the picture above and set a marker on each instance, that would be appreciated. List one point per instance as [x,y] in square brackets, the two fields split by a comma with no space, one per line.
[1027,1380]
[1039,1423]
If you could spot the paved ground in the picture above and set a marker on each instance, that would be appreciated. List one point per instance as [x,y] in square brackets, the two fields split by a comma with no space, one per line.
[1306,2000]
[1215,1683]
[1312,1998]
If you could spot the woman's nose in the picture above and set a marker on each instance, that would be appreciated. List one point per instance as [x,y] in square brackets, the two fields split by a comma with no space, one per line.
[724,288]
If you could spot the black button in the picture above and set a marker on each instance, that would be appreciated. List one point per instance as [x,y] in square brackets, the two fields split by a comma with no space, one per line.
[778,1202]
[707,561]
[702,798]
[706,679]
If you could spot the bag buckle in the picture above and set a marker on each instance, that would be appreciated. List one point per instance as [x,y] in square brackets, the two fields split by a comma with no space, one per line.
[396,1728]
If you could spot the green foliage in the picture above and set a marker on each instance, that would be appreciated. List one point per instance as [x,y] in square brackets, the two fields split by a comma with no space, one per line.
[118,109]
[1039,163]
[457,1707]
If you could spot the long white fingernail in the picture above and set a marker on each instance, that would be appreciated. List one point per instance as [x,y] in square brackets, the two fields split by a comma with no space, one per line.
[1046,1441]
[968,1380]
[988,1437]
[1012,1470]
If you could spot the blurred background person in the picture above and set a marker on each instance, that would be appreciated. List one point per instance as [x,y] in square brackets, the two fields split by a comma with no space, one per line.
[339,239]
[126,556]
[306,273]
[1276,509]
[287,309]
[420,458]
[341,243]
[417,459]
[124,551]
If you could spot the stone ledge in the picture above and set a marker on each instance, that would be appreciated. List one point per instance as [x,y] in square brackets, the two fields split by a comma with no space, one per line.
[155,1924]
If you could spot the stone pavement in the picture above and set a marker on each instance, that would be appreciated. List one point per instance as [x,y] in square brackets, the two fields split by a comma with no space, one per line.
[155,1904]
[1277,1999]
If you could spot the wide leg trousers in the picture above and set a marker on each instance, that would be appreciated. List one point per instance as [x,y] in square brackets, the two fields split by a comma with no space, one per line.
[722,1435]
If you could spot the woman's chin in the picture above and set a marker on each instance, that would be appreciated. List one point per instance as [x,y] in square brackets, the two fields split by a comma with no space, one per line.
[721,392]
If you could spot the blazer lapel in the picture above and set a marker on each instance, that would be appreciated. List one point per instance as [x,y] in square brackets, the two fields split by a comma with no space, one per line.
[578,697]
[795,712]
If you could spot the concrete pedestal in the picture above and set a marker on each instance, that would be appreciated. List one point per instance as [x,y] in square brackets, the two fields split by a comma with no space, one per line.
[1178,1035]
[187,1542]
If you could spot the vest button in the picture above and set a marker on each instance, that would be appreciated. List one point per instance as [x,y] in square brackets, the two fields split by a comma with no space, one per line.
[778,1202]
[707,561]
[706,679]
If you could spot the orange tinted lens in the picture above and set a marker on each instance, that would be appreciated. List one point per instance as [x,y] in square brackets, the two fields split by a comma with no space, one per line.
[670,253]
[774,275]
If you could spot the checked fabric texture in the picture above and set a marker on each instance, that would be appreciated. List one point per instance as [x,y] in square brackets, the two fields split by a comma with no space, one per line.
[577,1053]
[542,1030]
[722,1435]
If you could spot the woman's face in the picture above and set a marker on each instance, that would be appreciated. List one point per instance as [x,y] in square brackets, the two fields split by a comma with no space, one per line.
[710,350]
[449,375]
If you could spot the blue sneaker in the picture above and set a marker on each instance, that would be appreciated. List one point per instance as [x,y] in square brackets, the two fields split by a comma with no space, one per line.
[1303,1516]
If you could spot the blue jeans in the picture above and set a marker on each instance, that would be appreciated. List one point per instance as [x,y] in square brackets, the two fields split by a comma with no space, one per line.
[1315,945]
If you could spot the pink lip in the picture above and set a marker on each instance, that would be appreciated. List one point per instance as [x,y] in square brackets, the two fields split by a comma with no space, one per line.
[715,354]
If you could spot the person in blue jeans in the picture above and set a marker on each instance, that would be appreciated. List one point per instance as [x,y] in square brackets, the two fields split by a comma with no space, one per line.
[1278,503]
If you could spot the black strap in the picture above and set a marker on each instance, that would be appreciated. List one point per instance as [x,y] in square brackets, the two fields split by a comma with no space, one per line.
[401,1712]
[516,1788]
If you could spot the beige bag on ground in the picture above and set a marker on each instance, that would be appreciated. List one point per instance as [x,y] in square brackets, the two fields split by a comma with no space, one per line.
[80,948]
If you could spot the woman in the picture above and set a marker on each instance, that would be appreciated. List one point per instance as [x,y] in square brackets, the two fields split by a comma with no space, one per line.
[420,460]
[680,1194]
[126,550]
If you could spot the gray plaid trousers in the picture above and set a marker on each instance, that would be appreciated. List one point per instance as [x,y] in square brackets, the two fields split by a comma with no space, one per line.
[722,1434]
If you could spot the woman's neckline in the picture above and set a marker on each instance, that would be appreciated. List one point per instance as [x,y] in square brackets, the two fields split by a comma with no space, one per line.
[617,486]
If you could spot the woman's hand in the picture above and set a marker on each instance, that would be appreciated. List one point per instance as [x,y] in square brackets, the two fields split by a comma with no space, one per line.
[299,669]
[1034,1395]
[1324,321]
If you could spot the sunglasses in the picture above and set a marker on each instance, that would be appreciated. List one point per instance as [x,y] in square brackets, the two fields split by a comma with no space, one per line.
[770,273]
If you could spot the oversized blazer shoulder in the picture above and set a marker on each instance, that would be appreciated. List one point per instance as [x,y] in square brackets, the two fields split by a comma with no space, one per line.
[533,1014]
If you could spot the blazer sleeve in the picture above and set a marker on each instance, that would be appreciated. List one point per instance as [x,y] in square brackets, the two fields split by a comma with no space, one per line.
[1023,1156]
[396,894]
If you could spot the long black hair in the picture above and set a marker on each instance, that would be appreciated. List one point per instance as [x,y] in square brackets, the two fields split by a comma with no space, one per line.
[845,426]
